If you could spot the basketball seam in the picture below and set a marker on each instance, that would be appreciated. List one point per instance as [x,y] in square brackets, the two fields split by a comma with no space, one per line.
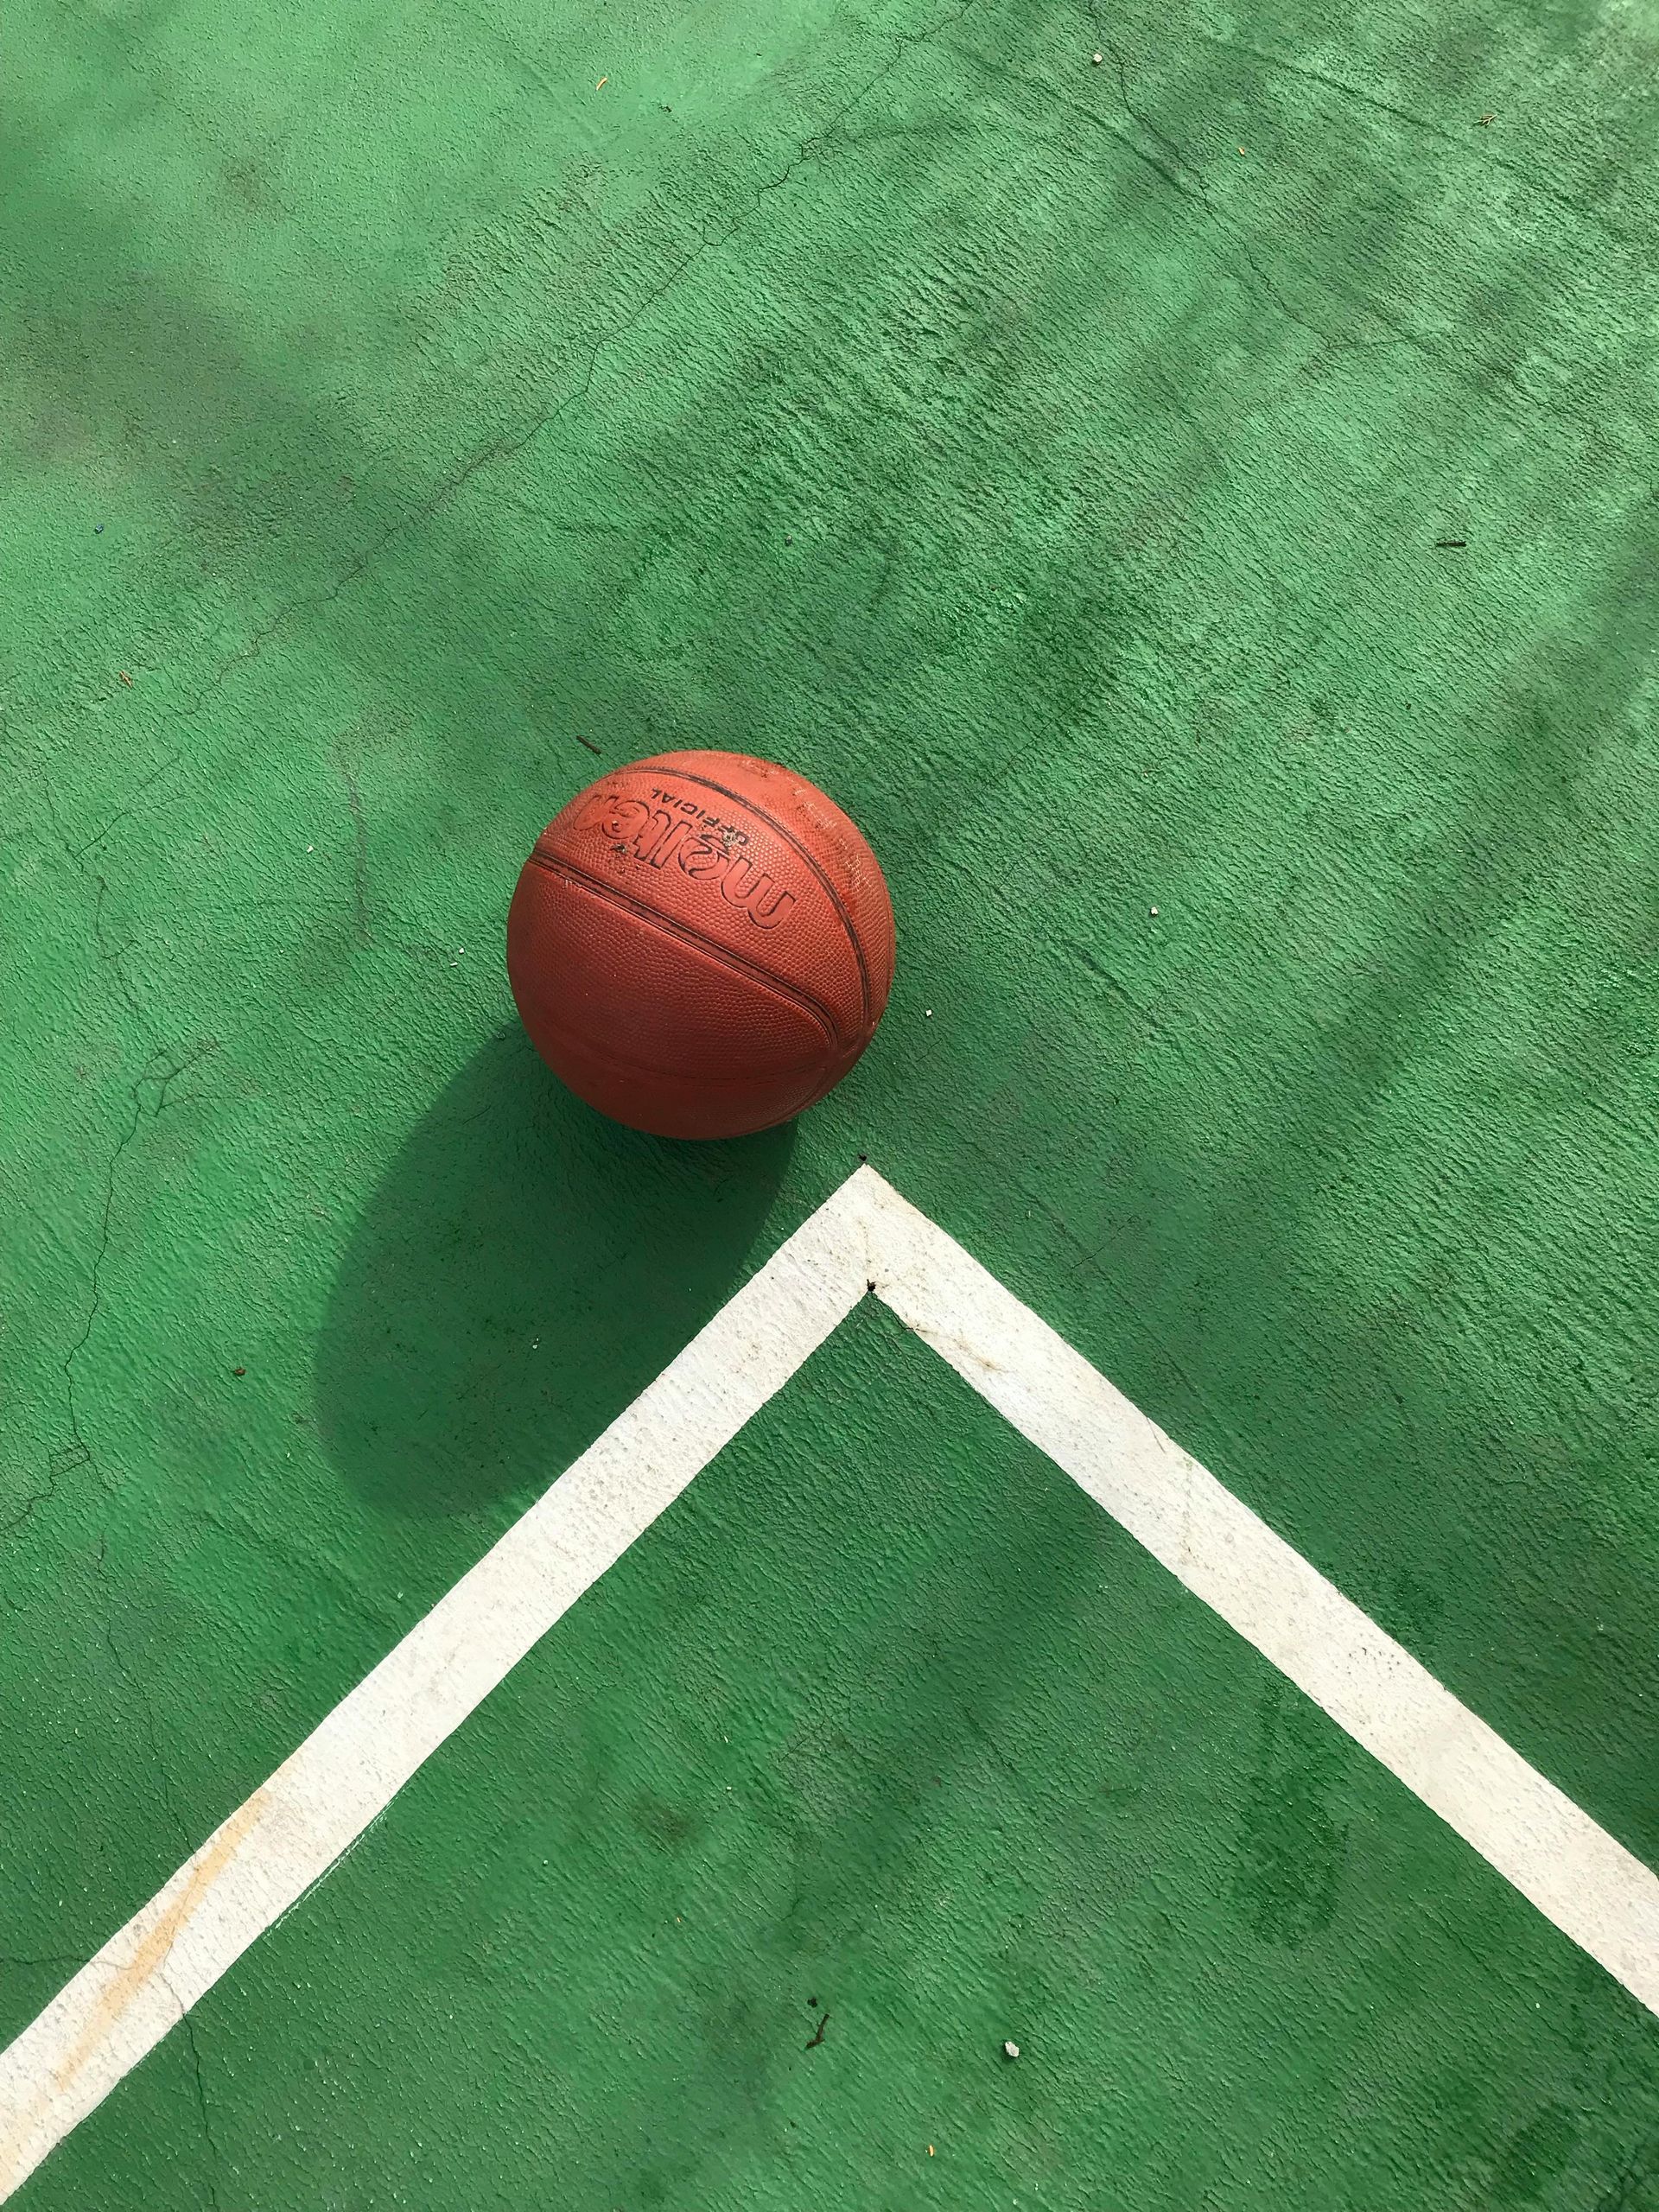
[738,798]
[579,878]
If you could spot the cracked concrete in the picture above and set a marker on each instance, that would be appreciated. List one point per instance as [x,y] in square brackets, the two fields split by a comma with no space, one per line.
[162,1071]
[192,2035]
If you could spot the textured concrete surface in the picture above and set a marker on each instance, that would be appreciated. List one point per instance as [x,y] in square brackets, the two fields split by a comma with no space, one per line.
[392,415]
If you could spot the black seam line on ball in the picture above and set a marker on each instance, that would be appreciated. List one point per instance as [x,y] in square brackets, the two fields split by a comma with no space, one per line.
[582,880]
[690,776]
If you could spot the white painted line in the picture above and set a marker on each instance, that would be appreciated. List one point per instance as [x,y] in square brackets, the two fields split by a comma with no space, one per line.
[296,1826]
[293,1829]
[1579,1875]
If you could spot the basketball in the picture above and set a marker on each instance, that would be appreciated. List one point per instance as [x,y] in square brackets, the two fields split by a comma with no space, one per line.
[701,945]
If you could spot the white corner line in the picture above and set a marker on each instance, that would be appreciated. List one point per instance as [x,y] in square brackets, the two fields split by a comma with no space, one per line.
[262,1860]
[1595,1890]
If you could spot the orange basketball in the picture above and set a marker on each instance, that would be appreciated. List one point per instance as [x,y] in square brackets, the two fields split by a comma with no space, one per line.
[701,945]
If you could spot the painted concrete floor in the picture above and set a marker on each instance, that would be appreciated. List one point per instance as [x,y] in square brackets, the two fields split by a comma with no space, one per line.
[1193,506]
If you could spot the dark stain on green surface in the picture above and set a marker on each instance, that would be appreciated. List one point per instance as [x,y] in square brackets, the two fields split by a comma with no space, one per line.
[1290,1848]
[1533,2158]
[667,1825]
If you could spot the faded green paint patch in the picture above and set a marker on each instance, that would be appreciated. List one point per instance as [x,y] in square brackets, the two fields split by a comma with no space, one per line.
[901,393]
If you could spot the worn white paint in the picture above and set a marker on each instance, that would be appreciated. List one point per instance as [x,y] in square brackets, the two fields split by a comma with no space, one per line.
[253,1867]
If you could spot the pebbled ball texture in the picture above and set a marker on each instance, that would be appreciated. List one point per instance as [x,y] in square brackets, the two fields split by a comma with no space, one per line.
[701,945]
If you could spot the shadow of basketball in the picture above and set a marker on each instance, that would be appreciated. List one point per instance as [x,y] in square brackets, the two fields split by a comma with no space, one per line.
[522,1270]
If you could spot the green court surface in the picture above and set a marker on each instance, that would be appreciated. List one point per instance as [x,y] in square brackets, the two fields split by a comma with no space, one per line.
[1183,481]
